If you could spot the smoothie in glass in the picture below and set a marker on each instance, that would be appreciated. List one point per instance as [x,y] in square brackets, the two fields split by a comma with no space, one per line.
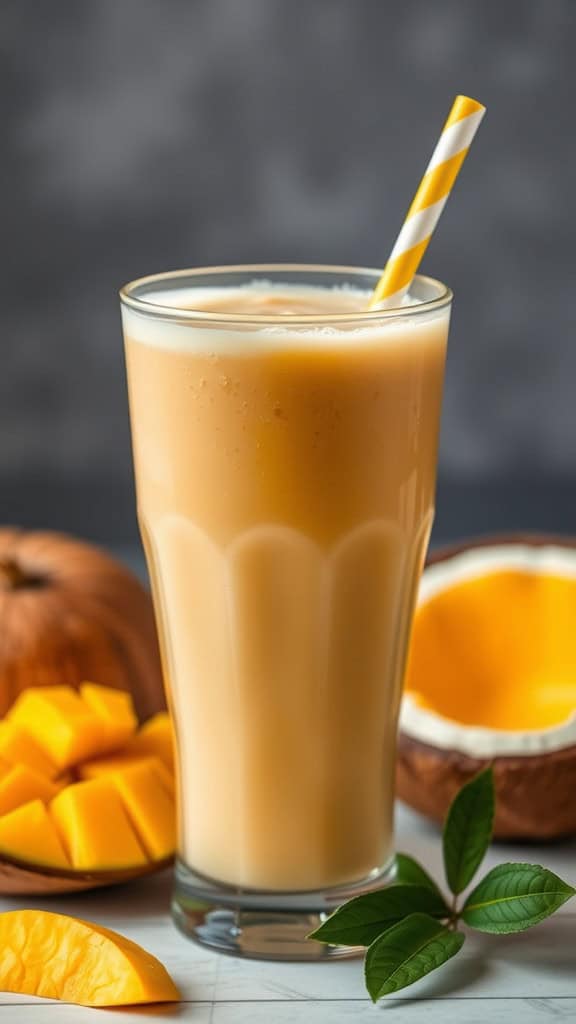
[285,446]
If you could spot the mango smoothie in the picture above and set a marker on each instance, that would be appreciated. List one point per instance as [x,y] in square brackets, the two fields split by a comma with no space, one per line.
[285,450]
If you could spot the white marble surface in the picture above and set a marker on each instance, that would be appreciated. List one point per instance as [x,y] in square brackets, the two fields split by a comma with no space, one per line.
[529,978]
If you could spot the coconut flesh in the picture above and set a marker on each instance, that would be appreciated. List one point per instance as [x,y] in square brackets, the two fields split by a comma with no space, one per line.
[422,721]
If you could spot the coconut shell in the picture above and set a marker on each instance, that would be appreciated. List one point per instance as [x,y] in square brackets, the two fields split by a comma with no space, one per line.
[536,794]
[70,613]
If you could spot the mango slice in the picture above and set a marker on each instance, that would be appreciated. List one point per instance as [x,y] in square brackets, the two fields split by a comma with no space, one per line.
[59,957]
[115,709]
[64,726]
[155,737]
[118,762]
[94,827]
[29,834]
[150,809]
[19,747]
[20,785]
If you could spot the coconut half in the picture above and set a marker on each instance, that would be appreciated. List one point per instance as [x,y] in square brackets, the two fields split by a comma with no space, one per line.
[492,678]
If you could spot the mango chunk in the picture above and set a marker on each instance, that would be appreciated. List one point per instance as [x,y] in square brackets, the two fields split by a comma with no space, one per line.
[62,724]
[150,809]
[166,777]
[94,827]
[164,774]
[64,778]
[29,834]
[19,747]
[59,957]
[118,762]
[115,710]
[20,785]
[156,738]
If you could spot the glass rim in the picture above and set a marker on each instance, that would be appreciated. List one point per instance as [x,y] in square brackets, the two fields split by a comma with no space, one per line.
[153,309]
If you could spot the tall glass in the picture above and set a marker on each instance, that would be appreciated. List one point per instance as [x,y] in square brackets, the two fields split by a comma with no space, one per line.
[285,473]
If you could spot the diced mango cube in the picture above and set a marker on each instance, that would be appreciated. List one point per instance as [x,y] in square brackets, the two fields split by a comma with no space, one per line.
[156,738]
[118,762]
[65,778]
[95,829]
[164,774]
[19,747]
[20,785]
[29,834]
[150,808]
[62,724]
[115,709]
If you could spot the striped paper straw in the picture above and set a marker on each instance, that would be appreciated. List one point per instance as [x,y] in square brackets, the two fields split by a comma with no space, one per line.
[422,217]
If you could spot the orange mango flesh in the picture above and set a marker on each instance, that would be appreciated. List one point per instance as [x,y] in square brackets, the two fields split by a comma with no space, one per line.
[118,762]
[155,738]
[20,785]
[150,809]
[61,723]
[19,747]
[115,710]
[54,736]
[28,833]
[497,651]
[94,827]
[58,957]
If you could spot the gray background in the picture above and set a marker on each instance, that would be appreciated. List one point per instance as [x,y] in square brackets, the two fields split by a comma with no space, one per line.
[144,135]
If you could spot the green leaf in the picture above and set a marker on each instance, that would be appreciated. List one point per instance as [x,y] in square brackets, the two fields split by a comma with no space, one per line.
[513,897]
[468,830]
[408,951]
[410,872]
[362,919]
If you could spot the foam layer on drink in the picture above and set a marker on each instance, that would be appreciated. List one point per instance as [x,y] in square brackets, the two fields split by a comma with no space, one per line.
[283,309]
[264,298]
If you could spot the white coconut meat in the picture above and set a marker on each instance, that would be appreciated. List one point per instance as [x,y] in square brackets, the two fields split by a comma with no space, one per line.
[430,726]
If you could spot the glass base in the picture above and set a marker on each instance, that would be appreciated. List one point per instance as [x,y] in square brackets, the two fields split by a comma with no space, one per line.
[262,925]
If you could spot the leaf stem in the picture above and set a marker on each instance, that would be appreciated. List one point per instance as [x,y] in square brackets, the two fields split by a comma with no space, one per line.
[454,913]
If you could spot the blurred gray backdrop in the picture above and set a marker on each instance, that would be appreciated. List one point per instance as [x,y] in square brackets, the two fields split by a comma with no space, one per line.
[145,135]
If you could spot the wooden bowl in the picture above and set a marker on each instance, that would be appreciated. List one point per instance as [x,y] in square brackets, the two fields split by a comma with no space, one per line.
[20,878]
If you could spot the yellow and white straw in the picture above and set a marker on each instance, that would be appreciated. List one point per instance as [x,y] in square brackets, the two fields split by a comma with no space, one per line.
[422,217]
